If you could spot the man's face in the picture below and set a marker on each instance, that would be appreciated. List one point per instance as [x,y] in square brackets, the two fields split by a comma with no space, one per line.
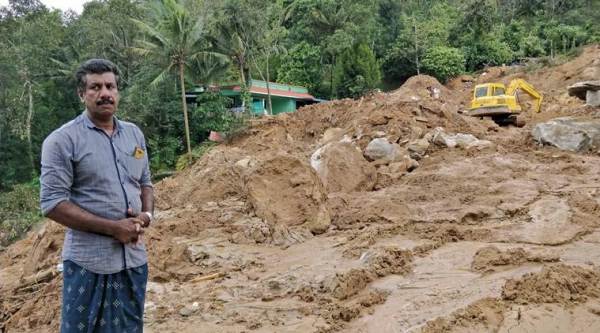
[101,95]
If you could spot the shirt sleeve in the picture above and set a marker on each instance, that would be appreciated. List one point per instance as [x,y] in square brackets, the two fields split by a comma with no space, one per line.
[146,179]
[57,171]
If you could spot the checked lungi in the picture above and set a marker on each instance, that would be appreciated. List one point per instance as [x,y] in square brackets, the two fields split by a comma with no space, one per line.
[103,303]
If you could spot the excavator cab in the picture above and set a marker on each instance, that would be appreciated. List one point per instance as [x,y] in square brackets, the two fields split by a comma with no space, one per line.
[490,99]
[500,103]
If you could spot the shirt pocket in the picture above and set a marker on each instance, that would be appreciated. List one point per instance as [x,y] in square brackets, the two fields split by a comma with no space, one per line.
[134,167]
[133,163]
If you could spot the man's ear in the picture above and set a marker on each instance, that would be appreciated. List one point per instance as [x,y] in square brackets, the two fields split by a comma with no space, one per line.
[80,94]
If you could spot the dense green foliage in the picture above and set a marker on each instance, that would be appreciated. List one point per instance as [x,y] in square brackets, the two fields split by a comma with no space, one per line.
[356,72]
[443,62]
[18,211]
[212,114]
[301,66]
[336,48]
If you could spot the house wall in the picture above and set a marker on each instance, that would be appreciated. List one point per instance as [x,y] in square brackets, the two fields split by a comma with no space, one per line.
[259,103]
[281,105]
[258,106]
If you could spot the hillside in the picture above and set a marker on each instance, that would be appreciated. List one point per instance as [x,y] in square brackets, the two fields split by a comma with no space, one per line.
[290,228]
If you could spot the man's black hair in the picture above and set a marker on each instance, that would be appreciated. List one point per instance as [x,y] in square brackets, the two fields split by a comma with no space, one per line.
[95,66]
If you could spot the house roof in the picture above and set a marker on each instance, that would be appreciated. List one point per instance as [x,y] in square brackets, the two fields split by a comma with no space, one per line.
[274,92]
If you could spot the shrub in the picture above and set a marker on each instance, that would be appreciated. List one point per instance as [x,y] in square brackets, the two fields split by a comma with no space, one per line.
[488,52]
[184,160]
[356,72]
[443,62]
[301,66]
[19,211]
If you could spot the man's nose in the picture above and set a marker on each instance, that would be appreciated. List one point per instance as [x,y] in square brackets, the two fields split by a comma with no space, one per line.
[105,92]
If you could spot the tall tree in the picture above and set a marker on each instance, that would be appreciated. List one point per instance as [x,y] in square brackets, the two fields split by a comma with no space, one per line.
[237,34]
[269,42]
[356,72]
[175,38]
[34,35]
[227,40]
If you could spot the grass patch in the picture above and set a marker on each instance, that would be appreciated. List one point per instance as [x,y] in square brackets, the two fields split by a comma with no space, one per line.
[197,152]
[19,211]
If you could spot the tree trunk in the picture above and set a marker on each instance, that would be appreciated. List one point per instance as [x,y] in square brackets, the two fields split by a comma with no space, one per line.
[28,128]
[416,47]
[244,91]
[185,113]
[269,104]
[267,80]
[331,76]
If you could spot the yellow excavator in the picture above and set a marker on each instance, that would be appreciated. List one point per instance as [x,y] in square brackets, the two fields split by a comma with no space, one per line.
[500,103]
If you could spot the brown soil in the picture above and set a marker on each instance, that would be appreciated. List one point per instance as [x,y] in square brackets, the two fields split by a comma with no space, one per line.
[490,259]
[567,287]
[289,228]
[554,284]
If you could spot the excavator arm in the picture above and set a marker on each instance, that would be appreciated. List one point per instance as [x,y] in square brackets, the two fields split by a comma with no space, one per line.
[527,88]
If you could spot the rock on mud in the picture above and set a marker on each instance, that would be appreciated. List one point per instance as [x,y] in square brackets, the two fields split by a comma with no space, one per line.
[587,90]
[418,148]
[460,140]
[569,133]
[382,149]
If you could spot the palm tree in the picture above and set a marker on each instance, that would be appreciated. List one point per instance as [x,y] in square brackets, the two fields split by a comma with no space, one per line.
[230,42]
[270,41]
[174,39]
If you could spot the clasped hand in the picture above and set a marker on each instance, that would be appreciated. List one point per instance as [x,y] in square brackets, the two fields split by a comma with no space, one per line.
[130,229]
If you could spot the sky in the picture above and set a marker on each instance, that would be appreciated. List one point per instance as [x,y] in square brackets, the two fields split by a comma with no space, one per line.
[64,5]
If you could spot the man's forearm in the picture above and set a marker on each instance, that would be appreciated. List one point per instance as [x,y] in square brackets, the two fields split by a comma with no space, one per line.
[75,217]
[147,197]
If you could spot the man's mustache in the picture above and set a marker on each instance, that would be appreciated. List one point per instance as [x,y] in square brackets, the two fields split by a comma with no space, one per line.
[105,101]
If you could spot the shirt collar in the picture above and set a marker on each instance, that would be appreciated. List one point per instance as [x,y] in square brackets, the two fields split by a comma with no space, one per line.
[89,124]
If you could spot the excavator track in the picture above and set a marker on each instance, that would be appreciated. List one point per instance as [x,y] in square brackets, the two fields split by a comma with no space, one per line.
[501,115]
[489,111]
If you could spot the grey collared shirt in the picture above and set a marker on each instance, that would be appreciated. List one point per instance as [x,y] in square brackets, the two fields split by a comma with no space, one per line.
[103,175]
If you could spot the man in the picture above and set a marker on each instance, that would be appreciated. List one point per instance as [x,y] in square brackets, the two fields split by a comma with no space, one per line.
[95,181]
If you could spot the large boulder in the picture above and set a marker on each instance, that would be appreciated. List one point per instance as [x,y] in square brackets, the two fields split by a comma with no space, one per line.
[587,90]
[580,89]
[459,140]
[382,149]
[592,98]
[569,133]
[284,190]
[342,168]
[418,148]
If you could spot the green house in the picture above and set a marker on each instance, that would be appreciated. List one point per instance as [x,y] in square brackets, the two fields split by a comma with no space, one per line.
[285,98]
